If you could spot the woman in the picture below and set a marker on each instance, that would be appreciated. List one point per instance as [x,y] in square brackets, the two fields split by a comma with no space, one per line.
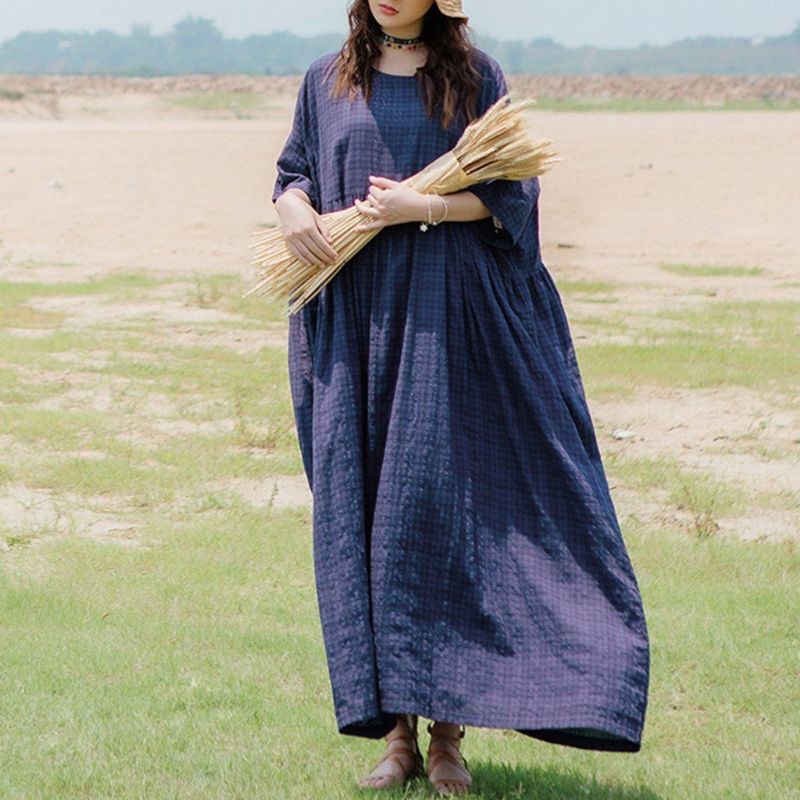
[468,560]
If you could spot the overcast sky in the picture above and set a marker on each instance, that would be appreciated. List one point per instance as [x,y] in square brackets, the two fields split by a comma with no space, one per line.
[607,23]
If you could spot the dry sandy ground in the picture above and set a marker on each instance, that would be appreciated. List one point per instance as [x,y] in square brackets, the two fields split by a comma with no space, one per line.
[126,184]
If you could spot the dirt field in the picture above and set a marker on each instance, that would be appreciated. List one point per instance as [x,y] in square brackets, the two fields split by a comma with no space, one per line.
[139,183]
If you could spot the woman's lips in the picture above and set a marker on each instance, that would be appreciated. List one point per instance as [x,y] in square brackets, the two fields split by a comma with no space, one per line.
[387,9]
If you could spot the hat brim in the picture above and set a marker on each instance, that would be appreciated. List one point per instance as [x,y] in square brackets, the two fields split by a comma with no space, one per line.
[456,14]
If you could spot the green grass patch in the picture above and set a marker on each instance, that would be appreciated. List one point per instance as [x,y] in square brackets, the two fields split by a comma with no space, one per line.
[782,499]
[121,285]
[225,292]
[589,291]
[711,270]
[245,397]
[774,324]
[578,287]
[93,476]
[10,94]
[546,103]
[613,369]
[54,429]
[202,385]
[702,495]
[193,665]
[722,343]
[35,264]
[601,326]
[237,103]
[36,351]
[24,316]
[116,282]
[182,670]
[261,441]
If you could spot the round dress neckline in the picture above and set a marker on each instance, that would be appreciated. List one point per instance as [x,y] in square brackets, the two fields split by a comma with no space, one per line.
[393,74]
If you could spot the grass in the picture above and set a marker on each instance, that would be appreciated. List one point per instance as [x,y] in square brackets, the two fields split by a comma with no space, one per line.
[33,263]
[194,668]
[720,343]
[589,291]
[576,286]
[142,375]
[10,94]
[236,103]
[712,270]
[122,285]
[617,104]
[190,664]
[702,495]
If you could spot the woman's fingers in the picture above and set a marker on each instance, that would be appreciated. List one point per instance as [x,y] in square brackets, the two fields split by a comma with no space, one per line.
[322,251]
[369,226]
[326,242]
[312,248]
[301,250]
[382,180]
[366,208]
[318,255]
[325,232]
[373,217]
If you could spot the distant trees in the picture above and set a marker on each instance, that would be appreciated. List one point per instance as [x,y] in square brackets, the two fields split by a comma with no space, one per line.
[196,34]
[794,36]
[196,44]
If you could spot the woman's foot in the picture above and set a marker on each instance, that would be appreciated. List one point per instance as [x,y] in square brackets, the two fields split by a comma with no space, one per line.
[447,768]
[402,758]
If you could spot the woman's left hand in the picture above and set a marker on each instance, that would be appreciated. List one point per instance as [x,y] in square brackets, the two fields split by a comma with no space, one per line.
[388,202]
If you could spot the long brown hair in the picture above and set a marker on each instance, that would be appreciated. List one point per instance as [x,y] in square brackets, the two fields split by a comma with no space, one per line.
[448,77]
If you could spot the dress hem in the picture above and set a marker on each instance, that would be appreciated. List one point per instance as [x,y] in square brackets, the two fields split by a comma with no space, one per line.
[588,731]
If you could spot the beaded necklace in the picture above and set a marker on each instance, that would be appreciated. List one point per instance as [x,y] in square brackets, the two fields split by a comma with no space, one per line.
[398,43]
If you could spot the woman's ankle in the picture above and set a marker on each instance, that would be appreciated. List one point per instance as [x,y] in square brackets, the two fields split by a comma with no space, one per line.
[445,728]
[404,725]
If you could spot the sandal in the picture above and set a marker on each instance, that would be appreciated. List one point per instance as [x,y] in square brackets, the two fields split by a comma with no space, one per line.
[393,766]
[447,767]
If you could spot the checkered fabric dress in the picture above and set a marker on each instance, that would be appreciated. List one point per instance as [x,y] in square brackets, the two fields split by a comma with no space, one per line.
[468,560]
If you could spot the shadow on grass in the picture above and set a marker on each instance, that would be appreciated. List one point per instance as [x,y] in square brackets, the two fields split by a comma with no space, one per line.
[506,782]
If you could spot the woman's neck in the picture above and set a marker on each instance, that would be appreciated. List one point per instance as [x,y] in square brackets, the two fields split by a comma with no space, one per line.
[410,31]
[402,62]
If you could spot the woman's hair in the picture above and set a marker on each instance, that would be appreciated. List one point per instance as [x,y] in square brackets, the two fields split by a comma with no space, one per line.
[448,78]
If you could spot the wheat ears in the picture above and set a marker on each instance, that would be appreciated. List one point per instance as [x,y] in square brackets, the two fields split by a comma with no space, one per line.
[495,145]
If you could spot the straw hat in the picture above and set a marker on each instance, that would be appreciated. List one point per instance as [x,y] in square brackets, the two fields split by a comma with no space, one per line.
[451,8]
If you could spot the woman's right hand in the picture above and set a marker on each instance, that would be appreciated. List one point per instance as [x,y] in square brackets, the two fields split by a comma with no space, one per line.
[305,234]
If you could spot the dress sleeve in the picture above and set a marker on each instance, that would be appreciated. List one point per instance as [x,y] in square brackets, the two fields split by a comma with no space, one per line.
[512,203]
[295,164]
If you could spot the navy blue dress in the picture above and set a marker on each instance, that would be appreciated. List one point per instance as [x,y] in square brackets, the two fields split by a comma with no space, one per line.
[468,560]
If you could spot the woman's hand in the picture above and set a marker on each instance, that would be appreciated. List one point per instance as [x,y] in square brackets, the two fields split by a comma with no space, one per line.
[304,231]
[390,202]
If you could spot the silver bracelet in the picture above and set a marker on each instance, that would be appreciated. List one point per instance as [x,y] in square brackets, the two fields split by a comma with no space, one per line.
[424,226]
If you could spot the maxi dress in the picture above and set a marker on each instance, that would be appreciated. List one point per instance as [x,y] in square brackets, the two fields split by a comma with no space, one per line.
[469,565]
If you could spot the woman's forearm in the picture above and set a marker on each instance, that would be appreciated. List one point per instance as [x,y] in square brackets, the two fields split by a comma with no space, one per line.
[462,206]
[299,193]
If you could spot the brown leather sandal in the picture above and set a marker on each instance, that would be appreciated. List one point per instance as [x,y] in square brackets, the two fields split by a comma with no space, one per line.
[447,767]
[401,761]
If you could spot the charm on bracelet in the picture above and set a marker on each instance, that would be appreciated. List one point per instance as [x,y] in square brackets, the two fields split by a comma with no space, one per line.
[424,226]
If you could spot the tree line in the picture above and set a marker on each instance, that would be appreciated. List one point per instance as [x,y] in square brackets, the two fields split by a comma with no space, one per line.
[196,44]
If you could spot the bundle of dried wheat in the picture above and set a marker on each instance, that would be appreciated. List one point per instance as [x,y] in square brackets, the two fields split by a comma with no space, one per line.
[495,145]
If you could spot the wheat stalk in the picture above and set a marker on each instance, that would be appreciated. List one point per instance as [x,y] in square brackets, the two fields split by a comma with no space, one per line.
[496,145]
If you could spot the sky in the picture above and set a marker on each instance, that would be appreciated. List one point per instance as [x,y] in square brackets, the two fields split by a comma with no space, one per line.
[604,23]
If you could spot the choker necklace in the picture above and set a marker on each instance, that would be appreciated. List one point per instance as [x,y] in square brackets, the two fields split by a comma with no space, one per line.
[400,44]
